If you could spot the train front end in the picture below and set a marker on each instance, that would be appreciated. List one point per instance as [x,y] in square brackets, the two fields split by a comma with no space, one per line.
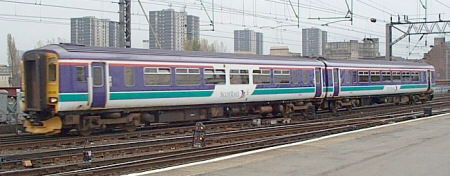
[40,91]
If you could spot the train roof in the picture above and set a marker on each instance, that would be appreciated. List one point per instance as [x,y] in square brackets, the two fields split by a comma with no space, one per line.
[70,51]
[377,64]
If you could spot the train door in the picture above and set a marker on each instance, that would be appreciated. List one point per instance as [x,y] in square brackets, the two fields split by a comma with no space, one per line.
[428,77]
[336,80]
[318,78]
[98,84]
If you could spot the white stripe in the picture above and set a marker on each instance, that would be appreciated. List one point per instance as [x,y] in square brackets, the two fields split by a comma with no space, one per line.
[278,147]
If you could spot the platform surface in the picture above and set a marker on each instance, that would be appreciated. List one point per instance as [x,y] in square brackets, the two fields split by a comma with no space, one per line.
[420,147]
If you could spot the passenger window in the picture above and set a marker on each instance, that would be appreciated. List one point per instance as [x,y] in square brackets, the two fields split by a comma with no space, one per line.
[348,76]
[396,76]
[156,76]
[305,77]
[354,77]
[375,76]
[415,76]
[295,76]
[97,73]
[214,76]
[239,77]
[281,76]
[261,76]
[406,76]
[363,76]
[129,76]
[81,74]
[386,76]
[187,76]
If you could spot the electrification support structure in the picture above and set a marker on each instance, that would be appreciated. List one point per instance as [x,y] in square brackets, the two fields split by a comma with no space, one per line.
[413,28]
[125,23]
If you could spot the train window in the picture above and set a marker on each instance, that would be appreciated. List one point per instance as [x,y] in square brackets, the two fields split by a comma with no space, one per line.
[363,76]
[187,76]
[294,76]
[261,76]
[406,76]
[348,76]
[386,76]
[156,76]
[214,76]
[129,76]
[97,73]
[281,76]
[239,77]
[52,72]
[415,76]
[354,77]
[375,76]
[396,76]
[305,77]
[81,74]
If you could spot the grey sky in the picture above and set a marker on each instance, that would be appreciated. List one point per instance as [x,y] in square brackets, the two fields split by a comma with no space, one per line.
[50,19]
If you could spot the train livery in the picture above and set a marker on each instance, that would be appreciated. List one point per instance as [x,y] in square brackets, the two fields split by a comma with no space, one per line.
[67,87]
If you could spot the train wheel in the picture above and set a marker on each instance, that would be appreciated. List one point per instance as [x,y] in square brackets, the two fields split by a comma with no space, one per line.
[85,132]
[129,127]
[65,131]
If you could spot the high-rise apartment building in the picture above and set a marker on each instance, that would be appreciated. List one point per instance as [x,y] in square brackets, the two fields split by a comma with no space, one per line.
[313,42]
[91,31]
[248,41]
[172,28]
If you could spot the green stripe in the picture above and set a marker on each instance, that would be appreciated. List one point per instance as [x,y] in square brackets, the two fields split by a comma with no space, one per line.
[73,97]
[151,95]
[283,91]
[413,86]
[361,88]
[328,89]
[433,85]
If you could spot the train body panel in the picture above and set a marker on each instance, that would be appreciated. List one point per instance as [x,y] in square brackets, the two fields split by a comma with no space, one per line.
[94,83]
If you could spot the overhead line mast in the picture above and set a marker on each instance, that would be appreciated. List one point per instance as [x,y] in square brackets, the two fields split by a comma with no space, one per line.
[125,23]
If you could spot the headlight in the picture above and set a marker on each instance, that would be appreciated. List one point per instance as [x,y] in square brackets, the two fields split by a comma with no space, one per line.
[53,100]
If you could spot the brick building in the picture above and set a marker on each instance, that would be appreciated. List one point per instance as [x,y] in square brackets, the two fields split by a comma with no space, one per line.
[439,57]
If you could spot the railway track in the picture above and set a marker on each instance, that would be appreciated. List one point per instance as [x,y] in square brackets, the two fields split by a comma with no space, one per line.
[109,154]
[29,143]
[220,144]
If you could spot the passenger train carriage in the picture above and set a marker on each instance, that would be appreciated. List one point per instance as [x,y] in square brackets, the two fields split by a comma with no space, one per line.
[85,88]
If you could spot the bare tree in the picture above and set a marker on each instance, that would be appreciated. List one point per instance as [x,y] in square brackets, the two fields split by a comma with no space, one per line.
[40,43]
[13,62]
[204,45]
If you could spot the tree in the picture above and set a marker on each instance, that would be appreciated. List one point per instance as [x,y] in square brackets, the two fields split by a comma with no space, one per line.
[203,45]
[13,62]
[40,43]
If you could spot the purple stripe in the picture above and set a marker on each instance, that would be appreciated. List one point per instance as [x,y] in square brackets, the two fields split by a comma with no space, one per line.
[67,80]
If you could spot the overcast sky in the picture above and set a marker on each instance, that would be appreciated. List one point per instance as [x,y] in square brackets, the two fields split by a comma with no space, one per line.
[30,21]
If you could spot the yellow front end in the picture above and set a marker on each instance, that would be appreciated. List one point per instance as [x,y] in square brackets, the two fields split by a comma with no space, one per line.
[53,124]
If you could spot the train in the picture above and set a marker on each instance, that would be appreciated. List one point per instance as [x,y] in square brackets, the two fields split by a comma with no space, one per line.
[68,86]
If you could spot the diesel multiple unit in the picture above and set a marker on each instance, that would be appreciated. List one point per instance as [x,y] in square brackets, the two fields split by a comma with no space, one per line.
[69,87]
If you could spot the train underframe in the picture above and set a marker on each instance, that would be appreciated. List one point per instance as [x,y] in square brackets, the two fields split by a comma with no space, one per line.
[85,122]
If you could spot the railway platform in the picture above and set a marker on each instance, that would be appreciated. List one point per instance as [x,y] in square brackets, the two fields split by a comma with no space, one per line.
[416,147]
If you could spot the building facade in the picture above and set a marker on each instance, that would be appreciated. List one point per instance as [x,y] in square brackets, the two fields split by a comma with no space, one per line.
[313,42]
[439,57]
[282,51]
[91,31]
[172,28]
[368,49]
[4,76]
[248,42]
[193,27]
